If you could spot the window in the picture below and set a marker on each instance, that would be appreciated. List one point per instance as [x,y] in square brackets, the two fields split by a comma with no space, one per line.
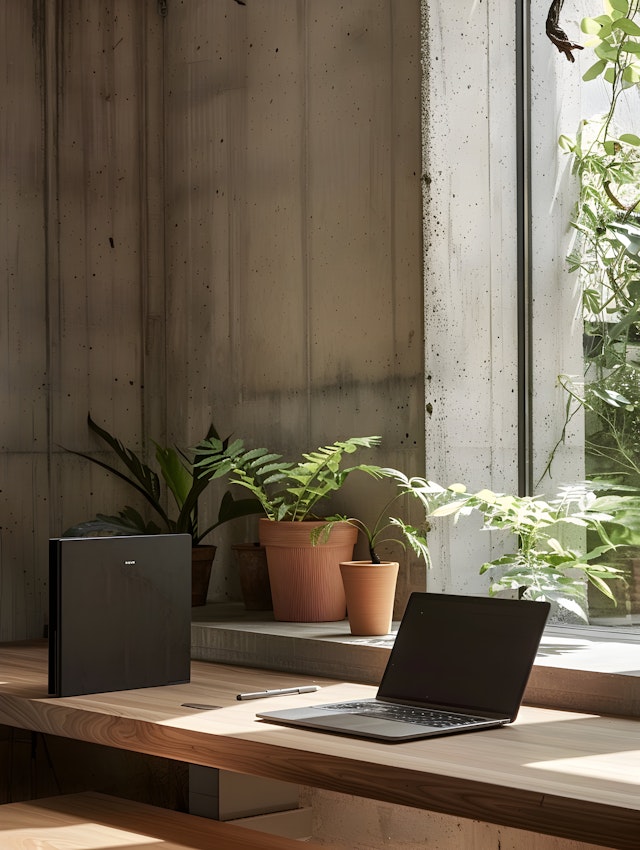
[584,310]
[504,317]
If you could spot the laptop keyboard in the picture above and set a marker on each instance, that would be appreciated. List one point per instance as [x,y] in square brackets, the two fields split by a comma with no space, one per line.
[406,714]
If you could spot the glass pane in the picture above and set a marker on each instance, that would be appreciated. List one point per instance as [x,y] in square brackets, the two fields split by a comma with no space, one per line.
[585,128]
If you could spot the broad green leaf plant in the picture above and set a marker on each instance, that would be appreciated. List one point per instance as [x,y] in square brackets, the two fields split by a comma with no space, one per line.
[286,490]
[184,481]
[541,567]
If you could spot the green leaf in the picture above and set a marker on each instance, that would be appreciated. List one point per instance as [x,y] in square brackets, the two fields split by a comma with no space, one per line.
[285,489]
[606,51]
[630,47]
[623,326]
[631,73]
[257,457]
[627,235]
[619,5]
[566,143]
[447,510]
[230,509]
[602,586]
[416,538]
[457,488]
[142,478]
[627,26]
[130,521]
[177,477]
[609,147]
[572,606]
[594,71]
[630,139]
[590,26]
[591,300]
[146,477]
[605,31]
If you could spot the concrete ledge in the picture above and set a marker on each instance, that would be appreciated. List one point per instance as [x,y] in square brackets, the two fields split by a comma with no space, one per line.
[231,635]
[595,670]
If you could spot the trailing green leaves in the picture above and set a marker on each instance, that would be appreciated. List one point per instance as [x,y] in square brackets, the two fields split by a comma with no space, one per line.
[613,39]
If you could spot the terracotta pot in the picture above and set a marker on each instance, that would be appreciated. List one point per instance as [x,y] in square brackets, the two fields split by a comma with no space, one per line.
[251,562]
[306,586]
[370,592]
[201,563]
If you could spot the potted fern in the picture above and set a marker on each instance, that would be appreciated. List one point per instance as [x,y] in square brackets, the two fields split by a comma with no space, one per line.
[185,482]
[305,579]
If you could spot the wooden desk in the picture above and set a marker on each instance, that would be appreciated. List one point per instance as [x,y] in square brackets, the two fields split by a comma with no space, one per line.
[571,775]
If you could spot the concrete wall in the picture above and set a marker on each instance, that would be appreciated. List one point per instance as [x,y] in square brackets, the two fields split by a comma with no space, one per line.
[469,143]
[216,215]
[82,248]
[212,215]
[341,820]
[293,230]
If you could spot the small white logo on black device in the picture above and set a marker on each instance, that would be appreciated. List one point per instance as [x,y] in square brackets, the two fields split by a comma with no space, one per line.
[129,563]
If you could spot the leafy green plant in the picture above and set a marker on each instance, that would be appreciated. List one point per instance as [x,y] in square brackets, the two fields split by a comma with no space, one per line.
[606,252]
[378,533]
[612,436]
[183,479]
[615,39]
[286,490]
[542,567]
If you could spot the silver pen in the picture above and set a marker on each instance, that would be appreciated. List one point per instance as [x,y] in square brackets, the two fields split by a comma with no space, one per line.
[280,692]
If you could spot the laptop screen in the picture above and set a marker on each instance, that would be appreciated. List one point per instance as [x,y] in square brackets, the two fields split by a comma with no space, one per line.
[470,653]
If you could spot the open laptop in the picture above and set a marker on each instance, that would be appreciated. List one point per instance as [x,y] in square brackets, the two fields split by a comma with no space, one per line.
[459,664]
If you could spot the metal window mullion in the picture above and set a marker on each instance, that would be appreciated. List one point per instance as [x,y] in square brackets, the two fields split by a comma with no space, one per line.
[524,226]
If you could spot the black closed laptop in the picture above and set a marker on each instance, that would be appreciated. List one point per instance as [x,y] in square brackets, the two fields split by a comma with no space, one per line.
[458,664]
[119,613]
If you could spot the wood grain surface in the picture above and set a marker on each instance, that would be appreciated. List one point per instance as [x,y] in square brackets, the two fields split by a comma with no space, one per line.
[562,773]
[97,821]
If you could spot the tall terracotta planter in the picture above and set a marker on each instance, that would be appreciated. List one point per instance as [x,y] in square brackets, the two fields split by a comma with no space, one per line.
[306,586]
[370,592]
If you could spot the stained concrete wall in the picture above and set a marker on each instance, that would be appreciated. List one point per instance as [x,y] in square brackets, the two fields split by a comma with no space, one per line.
[208,215]
[341,820]
[469,143]
[83,284]
[293,231]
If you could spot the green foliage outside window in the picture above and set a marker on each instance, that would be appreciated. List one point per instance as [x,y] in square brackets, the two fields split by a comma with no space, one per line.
[606,253]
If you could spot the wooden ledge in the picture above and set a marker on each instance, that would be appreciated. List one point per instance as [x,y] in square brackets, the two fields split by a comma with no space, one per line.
[94,821]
